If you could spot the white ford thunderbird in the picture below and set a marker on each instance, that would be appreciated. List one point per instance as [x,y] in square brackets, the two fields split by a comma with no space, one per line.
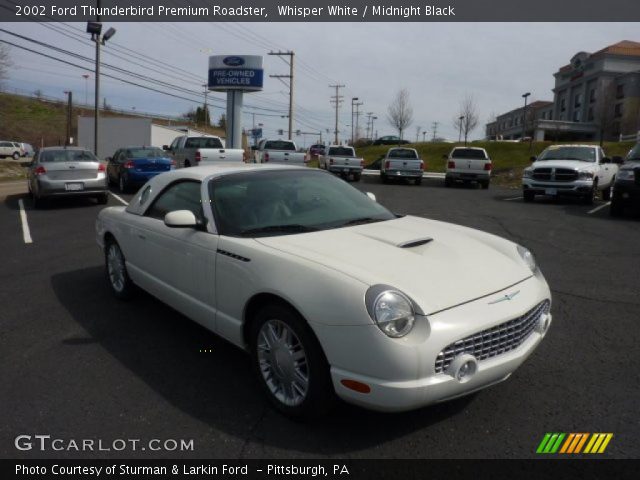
[330,292]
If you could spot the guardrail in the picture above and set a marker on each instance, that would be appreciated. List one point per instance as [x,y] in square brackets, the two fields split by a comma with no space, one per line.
[634,137]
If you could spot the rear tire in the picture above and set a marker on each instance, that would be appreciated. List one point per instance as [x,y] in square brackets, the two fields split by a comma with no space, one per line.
[384,178]
[485,185]
[528,196]
[606,193]
[289,362]
[187,164]
[102,199]
[418,181]
[356,177]
[448,183]
[123,183]
[116,268]
[15,155]
[616,209]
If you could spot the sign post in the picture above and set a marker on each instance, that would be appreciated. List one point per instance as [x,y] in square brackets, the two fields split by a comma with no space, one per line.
[235,74]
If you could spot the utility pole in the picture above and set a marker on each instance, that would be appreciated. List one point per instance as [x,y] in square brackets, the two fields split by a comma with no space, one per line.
[289,54]
[337,99]
[206,107]
[434,126]
[67,141]
[418,133]
[358,112]
[424,134]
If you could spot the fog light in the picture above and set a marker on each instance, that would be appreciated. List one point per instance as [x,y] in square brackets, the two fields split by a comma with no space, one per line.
[544,322]
[463,367]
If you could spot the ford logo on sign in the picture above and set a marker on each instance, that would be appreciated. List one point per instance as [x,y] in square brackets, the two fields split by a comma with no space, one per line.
[233,61]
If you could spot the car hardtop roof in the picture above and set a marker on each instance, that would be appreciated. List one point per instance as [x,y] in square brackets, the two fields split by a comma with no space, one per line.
[468,148]
[558,145]
[224,168]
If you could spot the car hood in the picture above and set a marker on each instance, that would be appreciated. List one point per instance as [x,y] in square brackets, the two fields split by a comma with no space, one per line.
[572,164]
[439,265]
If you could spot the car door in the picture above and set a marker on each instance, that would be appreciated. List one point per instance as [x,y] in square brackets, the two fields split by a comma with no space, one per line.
[112,167]
[178,264]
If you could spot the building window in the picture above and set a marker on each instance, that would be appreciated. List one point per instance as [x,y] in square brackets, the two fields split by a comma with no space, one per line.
[620,91]
[576,116]
[592,95]
[563,105]
[618,110]
[577,100]
[590,116]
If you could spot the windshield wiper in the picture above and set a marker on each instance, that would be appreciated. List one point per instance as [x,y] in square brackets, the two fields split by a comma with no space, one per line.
[359,221]
[287,228]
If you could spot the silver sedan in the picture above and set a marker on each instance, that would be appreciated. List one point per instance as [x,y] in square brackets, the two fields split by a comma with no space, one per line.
[66,171]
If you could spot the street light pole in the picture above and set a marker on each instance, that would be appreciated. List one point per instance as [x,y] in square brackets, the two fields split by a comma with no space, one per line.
[353,102]
[86,88]
[524,116]
[460,119]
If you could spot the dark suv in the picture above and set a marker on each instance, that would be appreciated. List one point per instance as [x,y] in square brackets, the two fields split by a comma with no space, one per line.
[626,189]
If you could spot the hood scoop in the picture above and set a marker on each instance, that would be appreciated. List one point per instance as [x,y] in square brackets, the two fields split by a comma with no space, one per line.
[415,243]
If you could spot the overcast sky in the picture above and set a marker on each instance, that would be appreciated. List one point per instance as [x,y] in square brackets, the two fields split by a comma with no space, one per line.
[438,63]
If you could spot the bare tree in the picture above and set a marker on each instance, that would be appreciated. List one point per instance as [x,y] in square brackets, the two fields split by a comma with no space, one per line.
[5,61]
[399,112]
[467,119]
[604,110]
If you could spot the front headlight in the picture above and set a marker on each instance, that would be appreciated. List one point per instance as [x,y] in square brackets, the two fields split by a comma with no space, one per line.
[626,175]
[527,173]
[528,258]
[393,313]
[585,175]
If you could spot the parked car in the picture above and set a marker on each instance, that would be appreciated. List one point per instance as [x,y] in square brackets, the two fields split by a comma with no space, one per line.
[278,151]
[402,163]
[66,171]
[390,140]
[189,151]
[11,149]
[581,171]
[468,164]
[330,292]
[27,150]
[133,166]
[342,160]
[316,149]
[626,188]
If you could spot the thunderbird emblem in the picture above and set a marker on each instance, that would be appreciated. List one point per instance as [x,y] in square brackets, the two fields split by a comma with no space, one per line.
[504,298]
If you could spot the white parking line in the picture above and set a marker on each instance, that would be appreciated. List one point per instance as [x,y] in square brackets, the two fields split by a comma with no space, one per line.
[511,199]
[26,234]
[599,207]
[120,199]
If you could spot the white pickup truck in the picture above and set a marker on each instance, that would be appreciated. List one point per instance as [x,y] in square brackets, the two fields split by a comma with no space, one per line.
[571,170]
[278,151]
[404,163]
[341,159]
[193,151]
[468,164]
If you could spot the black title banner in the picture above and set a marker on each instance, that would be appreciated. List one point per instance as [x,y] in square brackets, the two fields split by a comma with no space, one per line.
[320,11]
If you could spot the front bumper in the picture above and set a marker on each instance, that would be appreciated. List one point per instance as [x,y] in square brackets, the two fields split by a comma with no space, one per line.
[50,188]
[627,192]
[401,373]
[575,188]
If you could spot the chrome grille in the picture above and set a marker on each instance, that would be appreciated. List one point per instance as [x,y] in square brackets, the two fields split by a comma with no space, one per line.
[542,174]
[547,174]
[566,175]
[493,341]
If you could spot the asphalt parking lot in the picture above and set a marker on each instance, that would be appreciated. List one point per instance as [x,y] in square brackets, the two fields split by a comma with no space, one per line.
[77,363]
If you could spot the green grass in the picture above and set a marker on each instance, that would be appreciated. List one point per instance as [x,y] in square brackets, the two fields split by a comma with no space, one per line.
[11,171]
[509,158]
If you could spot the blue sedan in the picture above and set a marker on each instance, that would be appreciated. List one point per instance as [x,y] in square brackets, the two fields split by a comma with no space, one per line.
[133,166]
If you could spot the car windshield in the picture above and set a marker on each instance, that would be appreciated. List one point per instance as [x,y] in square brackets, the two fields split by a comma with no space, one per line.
[634,154]
[468,153]
[203,142]
[584,154]
[145,153]
[279,145]
[67,156]
[283,202]
[402,153]
[341,151]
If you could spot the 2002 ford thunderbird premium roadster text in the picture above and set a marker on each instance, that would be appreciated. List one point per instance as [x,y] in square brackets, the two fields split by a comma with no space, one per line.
[329,291]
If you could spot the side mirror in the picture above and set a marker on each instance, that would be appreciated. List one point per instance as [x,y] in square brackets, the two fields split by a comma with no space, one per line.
[606,160]
[371,196]
[533,159]
[165,147]
[108,159]
[618,160]
[181,219]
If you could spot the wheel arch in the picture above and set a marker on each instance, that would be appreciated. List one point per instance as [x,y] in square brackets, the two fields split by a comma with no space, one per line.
[258,301]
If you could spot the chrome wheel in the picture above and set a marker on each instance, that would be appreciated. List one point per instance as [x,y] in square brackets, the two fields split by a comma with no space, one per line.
[283,362]
[116,268]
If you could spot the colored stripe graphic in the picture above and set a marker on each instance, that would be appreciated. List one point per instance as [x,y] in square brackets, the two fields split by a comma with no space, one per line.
[573,443]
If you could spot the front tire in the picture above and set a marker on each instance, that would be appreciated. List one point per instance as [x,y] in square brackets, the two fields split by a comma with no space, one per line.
[289,362]
[592,196]
[117,274]
[528,196]
[15,155]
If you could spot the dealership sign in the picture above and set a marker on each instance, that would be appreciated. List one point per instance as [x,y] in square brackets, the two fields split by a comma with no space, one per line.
[235,72]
